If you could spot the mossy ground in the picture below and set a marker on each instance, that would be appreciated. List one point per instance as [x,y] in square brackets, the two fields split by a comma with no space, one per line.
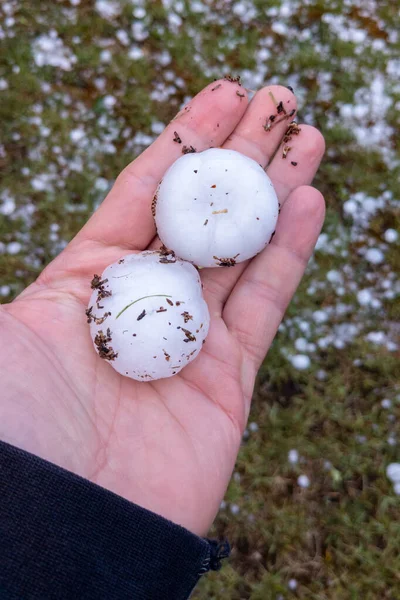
[124,70]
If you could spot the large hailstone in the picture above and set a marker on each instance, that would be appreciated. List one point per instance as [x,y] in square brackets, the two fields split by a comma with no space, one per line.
[216,208]
[147,315]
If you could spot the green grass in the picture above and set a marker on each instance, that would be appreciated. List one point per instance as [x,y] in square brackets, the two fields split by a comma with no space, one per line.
[340,537]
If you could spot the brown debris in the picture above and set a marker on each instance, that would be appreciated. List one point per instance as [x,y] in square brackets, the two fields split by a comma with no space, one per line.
[216,87]
[292,130]
[285,151]
[280,108]
[164,251]
[97,283]
[167,356]
[294,163]
[101,342]
[205,222]
[177,139]
[167,256]
[233,79]
[154,204]
[121,260]
[100,320]
[188,149]
[240,95]
[142,315]
[161,309]
[226,262]
[272,119]
[189,335]
[186,316]
[272,235]
[169,302]
[220,212]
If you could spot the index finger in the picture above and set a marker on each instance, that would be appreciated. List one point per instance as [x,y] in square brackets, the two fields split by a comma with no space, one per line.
[124,219]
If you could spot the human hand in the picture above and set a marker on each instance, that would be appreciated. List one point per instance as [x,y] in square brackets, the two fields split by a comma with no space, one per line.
[168,445]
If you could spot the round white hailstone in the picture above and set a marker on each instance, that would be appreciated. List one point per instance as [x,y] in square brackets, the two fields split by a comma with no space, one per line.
[216,208]
[293,456]
[390,235]
[235,509]
[292,584]
[300,361]
[386,403]
[303,481]
[393,472]
[374,256]
[147,315]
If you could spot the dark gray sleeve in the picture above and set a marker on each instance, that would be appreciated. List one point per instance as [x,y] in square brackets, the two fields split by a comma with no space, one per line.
[63,537]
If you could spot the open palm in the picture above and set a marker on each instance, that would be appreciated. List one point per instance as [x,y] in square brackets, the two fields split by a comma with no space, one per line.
[168,445]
